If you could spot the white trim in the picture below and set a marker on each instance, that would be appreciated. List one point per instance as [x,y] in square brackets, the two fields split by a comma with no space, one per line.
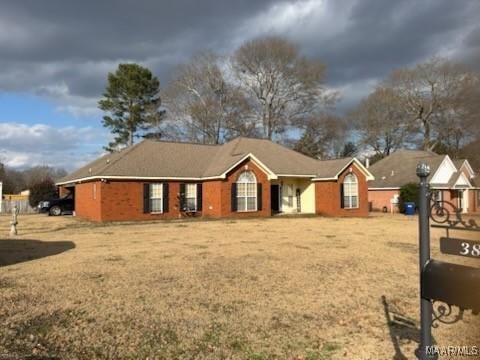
[433,179]
[350,196]
[195,197]
[270,174]
[134,178]
[246,197]
[325,179]
[469,168]
[462,176]
[361,167]
[161,185]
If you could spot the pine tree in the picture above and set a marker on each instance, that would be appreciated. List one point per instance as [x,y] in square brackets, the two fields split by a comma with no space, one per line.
[131,100]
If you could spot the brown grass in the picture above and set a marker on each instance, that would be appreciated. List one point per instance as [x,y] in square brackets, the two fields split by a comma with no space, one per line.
[305,288]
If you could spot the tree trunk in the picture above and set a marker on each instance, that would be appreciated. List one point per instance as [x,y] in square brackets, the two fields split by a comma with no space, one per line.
[130,137]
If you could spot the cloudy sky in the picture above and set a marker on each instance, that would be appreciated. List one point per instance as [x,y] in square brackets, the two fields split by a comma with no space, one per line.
[55,54]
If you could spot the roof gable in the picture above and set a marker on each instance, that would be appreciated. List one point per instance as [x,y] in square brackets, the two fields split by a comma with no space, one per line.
[346,162]
[444,171]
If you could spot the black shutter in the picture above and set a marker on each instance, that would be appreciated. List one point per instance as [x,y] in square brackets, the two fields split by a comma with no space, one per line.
[165,197]
[234,197]
[199,197]
[259,196]
[342,200]
[146,198]
[182,197]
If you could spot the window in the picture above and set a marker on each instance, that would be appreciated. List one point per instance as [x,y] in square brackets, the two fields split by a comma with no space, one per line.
[246,192]
[290,195]
[350,192]
[191,197]
[156,197]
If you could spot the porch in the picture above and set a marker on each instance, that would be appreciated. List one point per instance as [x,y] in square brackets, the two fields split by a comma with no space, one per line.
[292,195]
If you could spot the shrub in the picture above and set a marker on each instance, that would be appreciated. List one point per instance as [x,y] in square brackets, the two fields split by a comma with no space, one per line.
[408,193]
[42,190]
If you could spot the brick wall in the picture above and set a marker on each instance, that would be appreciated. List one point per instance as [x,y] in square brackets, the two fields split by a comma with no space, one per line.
[123,200]
[381,198]
[88,203]
[212,196]
[327,196]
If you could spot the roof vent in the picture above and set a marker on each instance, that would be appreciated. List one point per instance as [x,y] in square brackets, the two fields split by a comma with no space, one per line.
[108,161]
[393,173]
[89,170]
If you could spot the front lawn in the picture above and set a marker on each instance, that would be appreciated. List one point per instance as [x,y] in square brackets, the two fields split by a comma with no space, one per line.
[306,288]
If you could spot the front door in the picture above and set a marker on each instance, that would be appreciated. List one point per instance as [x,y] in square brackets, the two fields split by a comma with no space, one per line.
[274,198]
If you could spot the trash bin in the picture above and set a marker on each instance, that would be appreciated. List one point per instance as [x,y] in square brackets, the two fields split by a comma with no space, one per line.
[409,208]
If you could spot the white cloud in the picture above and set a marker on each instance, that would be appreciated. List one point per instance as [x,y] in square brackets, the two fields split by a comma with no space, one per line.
[299,20]
[40,144]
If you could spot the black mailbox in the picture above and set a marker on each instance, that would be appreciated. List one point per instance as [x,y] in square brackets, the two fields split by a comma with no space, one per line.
[452,284]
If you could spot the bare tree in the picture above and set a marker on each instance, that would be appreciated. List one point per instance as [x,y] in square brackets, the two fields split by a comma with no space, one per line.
[200,99]
[434,95]
[282,85]
[380,122]
[324,136]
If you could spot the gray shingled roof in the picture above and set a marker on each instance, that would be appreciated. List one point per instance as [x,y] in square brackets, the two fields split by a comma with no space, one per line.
[151,158]
[399,168]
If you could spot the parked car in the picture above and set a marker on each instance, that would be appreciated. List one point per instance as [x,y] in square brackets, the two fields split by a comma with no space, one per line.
[58,206]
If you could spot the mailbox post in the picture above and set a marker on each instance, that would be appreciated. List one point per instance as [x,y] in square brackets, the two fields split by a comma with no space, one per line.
[423,170]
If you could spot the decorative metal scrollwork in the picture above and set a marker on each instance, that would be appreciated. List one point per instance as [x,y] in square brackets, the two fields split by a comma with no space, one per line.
[448,215]
[443,313]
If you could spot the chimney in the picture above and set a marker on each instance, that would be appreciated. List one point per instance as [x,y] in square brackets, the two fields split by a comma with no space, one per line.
[367,163]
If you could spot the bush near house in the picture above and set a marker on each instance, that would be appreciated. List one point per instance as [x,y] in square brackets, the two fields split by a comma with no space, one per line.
[408,193]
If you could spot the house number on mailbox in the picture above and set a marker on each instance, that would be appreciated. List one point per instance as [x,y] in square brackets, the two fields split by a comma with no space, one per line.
[460,247]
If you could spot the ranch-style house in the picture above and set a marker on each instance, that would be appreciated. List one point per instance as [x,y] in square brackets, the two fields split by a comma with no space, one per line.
[243,177]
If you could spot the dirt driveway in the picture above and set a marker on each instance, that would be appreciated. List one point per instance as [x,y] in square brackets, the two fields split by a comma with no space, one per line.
[286,288]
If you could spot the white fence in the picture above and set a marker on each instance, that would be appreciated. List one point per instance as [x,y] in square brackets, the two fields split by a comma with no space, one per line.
[23,206]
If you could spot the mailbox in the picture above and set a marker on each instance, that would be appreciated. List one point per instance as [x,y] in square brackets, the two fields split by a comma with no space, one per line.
[452,284]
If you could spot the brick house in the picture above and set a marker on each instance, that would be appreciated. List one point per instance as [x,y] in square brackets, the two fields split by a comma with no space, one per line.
[450,180]
[244,177]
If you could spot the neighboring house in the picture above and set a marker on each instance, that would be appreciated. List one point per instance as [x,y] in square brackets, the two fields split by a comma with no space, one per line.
[244,177]
[450,180]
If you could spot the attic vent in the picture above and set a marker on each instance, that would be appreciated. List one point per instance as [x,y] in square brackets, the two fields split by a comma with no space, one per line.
[89,170]
[393,173]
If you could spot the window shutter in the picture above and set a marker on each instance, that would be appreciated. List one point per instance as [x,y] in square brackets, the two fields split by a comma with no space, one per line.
[165,197]
[259,196]
[234,197]
[146,198]
[199,197]
[342,199]
[182,197]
